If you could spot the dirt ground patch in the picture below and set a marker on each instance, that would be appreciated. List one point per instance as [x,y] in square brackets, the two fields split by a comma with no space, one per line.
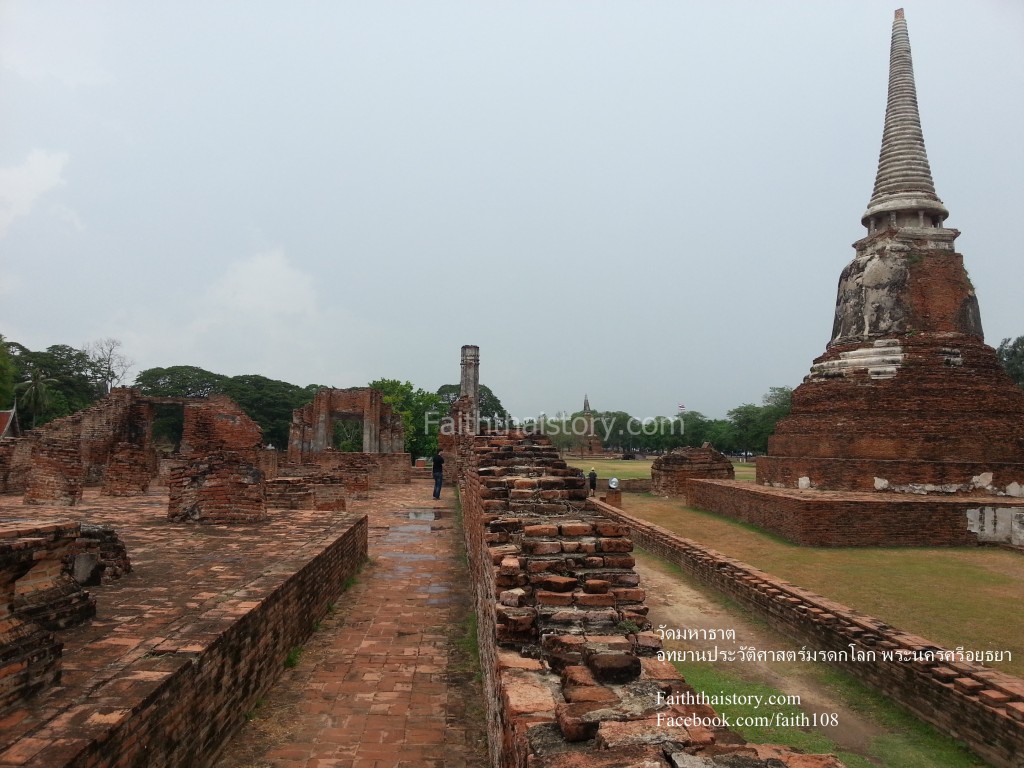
[675,603]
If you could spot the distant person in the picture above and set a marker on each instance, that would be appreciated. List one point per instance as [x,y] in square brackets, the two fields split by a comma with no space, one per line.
[438,474]
[593,481]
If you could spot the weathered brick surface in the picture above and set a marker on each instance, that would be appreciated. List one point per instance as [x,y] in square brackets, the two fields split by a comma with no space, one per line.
[168,673]
[15,463]
[99,551]
[915,673]
[670,472]
[217,487]
[44,593]
[57,475]
[846,519]
[30,656]
[219,479]
[129,470]
[326,492]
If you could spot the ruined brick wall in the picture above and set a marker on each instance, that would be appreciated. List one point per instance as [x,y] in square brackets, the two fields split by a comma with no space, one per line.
[129,471]
[455,438]
[569,675]
[57,474]
[15,463]
[831,519]
[178,706]
[395,467]
[219,479]
[98,556]
[217,487]
[670,472]
[269,459]
[76,450]
[311,430]
[356,481]
[326,492]
[220,424]
[116,419]
[972,703]
[30,559]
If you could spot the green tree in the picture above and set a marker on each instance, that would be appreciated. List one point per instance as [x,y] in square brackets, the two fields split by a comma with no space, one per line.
[179,381]
[34,393]
[419,410]
[490,405]
[72,387]
[753,424]
[6,375]
[269,403]
[347,436]
[1011,355]
[695,430]
[721,433]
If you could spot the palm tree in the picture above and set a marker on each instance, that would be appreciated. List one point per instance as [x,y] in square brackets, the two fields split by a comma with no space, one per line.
[35,393]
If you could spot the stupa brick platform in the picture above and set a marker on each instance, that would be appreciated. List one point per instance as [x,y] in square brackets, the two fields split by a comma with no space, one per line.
[907,403]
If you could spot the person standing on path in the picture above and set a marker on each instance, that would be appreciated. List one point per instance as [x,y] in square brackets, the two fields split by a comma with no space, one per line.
[593,481]
[438,473]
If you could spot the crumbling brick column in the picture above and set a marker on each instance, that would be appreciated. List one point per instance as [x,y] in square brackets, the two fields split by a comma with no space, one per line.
[15,464]
[219,479]
[57,476]
[45,593]
[98,556]
[217,487]
[130,471]
[29,654]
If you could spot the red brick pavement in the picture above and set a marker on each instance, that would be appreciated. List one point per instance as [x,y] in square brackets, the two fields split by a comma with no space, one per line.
[379,688]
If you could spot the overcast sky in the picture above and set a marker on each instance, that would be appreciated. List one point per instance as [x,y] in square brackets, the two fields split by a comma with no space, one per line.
[649,202]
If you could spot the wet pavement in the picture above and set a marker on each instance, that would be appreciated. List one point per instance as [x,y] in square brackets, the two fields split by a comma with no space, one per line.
[382,684]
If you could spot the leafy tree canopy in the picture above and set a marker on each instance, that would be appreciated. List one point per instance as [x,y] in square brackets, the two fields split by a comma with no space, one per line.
[1011,355]
[420,411]
[6,376]
[179,381]
[490,405]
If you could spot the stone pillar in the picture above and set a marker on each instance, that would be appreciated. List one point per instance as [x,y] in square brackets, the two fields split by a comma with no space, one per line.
[469,385]
[613,497]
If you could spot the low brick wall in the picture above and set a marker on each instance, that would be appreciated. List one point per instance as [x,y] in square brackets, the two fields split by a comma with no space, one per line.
[177,705]
[395,467]
[846,519]
[980,706]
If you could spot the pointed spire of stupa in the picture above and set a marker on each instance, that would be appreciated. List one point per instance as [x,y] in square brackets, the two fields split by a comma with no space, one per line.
[586,404]
[904,193]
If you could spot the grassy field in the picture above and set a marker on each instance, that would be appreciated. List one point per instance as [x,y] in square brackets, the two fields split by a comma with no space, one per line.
[966,597]
[624,470]
[637,468]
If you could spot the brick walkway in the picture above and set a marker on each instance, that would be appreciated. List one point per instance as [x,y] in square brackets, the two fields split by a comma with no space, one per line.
[379,685]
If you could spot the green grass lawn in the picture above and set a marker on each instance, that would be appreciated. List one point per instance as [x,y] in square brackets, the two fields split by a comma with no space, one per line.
[636,468]
[904,742]
[966,597]
[624,470]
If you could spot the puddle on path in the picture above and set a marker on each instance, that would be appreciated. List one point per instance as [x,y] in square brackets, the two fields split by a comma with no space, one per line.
[424,514]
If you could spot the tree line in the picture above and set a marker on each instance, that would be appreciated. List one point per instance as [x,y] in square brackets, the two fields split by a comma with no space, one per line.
[745,429]
[62,380]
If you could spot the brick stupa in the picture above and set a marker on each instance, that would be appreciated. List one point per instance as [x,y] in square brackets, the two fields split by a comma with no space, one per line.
[908,403]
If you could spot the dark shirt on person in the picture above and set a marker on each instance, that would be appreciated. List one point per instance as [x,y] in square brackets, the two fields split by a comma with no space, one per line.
[438,462]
